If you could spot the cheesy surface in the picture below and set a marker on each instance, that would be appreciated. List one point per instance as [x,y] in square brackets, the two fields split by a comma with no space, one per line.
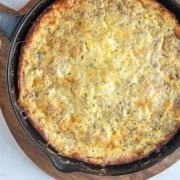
[100,78]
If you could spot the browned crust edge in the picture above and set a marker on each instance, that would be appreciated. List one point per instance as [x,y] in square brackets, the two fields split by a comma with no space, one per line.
[106,161]
[28,40]
[166,12]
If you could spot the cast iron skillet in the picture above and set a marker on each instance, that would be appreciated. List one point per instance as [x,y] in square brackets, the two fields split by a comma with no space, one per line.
[16,28]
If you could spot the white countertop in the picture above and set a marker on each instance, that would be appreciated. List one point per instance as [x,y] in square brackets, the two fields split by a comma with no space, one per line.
[14,4]
[14,164]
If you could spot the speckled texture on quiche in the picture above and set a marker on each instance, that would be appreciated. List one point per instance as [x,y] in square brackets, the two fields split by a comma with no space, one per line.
[100,79]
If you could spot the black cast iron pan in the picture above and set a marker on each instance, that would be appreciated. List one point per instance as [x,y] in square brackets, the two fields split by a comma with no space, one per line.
[16,28]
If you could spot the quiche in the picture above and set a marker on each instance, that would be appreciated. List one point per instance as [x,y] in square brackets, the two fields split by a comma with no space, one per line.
[100,79]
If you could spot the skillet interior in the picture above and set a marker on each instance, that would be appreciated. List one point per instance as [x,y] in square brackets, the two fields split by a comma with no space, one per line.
[66,164]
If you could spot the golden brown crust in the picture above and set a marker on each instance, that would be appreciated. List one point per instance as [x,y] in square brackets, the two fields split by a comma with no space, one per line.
[28,39]
[106,161]
[124,160]
[167,14]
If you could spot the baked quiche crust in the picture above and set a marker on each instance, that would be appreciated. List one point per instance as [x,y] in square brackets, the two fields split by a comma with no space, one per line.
[99,79]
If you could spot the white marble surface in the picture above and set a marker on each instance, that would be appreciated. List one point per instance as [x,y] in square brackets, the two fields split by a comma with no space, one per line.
[14,4]
[14,164]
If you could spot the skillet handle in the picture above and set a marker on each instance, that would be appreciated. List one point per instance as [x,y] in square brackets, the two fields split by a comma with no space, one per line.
[8,24]
[63,165]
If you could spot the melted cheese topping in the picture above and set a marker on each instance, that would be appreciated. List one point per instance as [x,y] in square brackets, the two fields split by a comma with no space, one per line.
[100,78]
